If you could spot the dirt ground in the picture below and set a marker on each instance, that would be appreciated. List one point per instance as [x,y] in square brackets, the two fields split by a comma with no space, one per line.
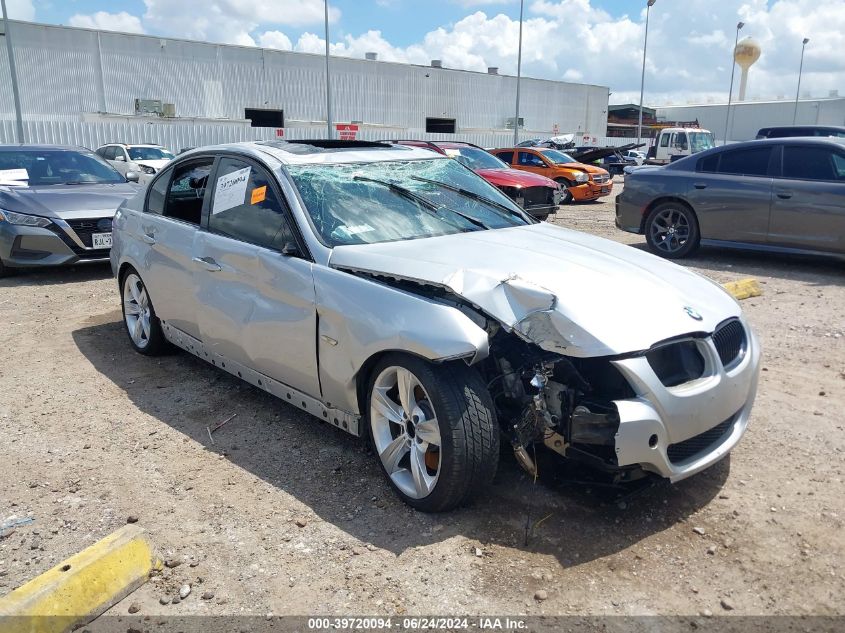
[282,514]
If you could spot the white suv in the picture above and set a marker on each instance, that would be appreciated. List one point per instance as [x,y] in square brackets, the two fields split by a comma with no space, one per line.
[145,160]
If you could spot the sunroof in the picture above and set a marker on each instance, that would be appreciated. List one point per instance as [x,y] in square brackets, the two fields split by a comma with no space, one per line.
[315,146]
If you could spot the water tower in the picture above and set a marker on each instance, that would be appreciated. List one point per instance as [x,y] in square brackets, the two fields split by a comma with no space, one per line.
[745,54]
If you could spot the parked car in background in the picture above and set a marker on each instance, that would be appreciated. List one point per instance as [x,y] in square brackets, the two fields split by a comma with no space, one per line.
[635,155]
[397,295]
[582,182]
[538,195]
[146,160]
[674,143]
[56,205]
[785,195]
[785,131]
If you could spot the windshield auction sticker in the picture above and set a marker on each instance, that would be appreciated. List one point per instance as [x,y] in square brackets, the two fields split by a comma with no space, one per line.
[230,190]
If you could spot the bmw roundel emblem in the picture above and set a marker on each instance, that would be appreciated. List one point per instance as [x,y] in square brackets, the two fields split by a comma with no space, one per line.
[692,313]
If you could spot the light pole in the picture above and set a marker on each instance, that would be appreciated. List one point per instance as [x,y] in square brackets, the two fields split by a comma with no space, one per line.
[642,77]
[328,78]
[518,76]
[739,25]
[798,90]
[13,72]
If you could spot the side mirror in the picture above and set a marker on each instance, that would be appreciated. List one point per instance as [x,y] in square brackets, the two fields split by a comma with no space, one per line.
[132,176]
[120,158]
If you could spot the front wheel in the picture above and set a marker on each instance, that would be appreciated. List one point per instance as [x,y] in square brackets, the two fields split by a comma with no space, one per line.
[434,430]
[567,197]
[142,324]
[671,230]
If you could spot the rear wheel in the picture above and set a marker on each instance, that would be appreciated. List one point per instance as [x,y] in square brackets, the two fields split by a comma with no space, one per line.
[567,194]
[142,324]
[434,431]
[671,230]
[4,272]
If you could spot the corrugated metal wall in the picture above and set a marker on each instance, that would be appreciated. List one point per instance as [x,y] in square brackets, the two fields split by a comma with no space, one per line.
[176,136]
[66,71]
[748,117]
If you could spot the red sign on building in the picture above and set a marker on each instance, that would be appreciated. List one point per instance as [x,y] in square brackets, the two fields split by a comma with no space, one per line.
[346,131]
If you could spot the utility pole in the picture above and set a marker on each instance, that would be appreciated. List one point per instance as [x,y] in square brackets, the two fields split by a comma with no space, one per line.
[328,78]
[798,90]
[14,73]
[642,77]
[739,25]
[518,76]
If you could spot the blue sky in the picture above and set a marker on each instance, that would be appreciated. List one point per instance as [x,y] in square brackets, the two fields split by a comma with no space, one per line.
[592,41]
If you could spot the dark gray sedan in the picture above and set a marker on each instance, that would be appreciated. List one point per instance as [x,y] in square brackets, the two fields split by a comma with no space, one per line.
[56,205]
[785,195]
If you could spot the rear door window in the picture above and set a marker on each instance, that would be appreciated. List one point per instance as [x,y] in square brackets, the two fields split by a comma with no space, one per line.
[811,163]
[108,152]
[746,162]
[505,156]
[187,191]
[246,207]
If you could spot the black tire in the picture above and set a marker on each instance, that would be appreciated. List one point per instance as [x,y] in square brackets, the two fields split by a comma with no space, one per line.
[154,344]
[567,195]
[4,272]
[468,431]
[671,230]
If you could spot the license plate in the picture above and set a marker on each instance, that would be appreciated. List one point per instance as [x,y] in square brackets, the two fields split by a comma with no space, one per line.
[101,240]
[605,189]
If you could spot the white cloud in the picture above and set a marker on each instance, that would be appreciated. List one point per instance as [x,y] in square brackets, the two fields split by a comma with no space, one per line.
[103,21]
[230,21]
[20,9]
[275,39]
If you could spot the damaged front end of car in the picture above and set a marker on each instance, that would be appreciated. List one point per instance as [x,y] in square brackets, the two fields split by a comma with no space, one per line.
[671,408]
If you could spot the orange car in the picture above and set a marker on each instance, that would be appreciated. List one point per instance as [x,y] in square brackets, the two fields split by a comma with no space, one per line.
[582,182]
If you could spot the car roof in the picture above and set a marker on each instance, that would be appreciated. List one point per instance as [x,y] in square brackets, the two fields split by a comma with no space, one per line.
[37,146]
[786,140]
[321,151]
[132,145]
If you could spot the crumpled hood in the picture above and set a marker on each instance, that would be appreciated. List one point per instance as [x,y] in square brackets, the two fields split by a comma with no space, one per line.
[155,164]
[515,178]
[67,201]
[566,291]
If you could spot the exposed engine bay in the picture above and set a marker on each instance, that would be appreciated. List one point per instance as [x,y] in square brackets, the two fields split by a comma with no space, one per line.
[562,404]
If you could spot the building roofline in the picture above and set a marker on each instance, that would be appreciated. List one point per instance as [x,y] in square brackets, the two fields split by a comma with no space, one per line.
[292,52]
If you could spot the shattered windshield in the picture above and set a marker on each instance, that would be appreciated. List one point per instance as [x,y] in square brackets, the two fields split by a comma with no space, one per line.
[400,200]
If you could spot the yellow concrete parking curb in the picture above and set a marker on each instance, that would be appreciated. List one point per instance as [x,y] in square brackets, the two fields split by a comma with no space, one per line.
[744,288]
[82,587]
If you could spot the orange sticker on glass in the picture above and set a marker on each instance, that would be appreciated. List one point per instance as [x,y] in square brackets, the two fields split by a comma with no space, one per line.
[258,194]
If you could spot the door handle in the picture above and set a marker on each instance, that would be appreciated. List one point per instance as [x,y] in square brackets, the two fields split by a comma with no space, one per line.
[148,238]
[700,185]
[208,263]
[784,195]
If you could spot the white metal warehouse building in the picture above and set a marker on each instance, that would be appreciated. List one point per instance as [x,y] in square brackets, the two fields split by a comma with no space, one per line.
[80,86]
[749,116]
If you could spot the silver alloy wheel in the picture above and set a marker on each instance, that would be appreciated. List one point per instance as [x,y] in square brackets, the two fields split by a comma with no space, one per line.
[406,433]
[670,230]
[136,310]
